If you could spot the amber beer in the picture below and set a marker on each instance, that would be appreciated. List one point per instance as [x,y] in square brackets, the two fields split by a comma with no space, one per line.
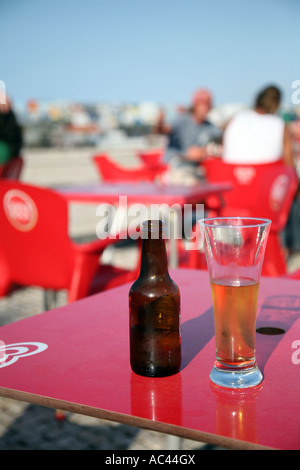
[234,249]
[154,307]
[235,305]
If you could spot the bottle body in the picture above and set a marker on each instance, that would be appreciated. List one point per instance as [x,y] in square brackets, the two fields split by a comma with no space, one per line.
[154,305]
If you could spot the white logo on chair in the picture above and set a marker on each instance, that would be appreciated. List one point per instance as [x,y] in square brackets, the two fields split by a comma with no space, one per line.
[11,353]
[244,175]
[20,209]
[278,191]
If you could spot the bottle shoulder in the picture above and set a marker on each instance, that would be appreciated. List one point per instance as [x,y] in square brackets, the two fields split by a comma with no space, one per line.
[154,286]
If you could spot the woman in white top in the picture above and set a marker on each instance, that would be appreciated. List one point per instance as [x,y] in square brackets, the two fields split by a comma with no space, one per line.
[258,135]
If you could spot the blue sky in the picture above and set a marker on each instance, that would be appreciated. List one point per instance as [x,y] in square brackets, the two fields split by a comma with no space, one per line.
[142,50]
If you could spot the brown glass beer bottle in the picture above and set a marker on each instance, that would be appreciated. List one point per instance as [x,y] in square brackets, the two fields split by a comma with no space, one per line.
[154,306]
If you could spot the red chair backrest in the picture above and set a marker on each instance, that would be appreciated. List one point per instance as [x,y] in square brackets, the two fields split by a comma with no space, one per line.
[151,157]
[35,248]
[111,171]
[265,190]
[12,169]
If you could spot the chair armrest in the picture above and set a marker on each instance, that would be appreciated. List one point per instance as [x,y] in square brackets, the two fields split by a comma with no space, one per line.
[86,264]
[94,247]
[98,246]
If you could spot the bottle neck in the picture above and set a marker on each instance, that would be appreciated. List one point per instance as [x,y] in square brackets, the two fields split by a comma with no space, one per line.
[154,260]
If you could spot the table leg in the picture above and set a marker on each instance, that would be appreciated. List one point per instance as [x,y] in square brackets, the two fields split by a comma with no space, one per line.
[49,299]
[173,442]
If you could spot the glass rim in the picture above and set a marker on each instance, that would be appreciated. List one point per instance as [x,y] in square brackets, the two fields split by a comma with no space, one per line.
[262,222]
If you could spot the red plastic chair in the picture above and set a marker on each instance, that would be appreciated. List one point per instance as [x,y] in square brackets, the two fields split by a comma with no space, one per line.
[12,169]
[264,191]
[111,171]
[151,157]
[35,249]
[294,275]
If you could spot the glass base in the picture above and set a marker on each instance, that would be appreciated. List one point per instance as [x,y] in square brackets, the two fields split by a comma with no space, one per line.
[236,378]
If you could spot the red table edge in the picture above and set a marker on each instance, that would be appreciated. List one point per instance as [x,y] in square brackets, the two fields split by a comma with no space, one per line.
[136,421]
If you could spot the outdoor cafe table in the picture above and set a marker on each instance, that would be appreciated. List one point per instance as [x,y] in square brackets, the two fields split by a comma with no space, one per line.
[146,193]
[142,192]
[76,358]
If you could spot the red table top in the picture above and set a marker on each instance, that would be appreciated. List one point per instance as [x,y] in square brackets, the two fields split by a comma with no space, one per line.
[85,368]
[145,192]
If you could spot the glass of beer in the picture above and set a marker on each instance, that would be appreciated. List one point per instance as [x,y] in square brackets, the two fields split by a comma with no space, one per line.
[234,249]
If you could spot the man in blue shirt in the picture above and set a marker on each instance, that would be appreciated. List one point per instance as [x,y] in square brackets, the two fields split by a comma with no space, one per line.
[189,136]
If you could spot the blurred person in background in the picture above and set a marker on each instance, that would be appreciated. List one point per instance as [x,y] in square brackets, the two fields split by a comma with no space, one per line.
[189,137]
[259,135]
[10,132]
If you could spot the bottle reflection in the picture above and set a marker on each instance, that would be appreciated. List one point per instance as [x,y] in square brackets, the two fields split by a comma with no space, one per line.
[157,398]
[236,412]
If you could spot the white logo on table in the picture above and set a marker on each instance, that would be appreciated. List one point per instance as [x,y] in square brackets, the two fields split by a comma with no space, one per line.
[11,353]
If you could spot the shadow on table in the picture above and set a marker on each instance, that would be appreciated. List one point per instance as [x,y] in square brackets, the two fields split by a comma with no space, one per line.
[195,334]
[277,315]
